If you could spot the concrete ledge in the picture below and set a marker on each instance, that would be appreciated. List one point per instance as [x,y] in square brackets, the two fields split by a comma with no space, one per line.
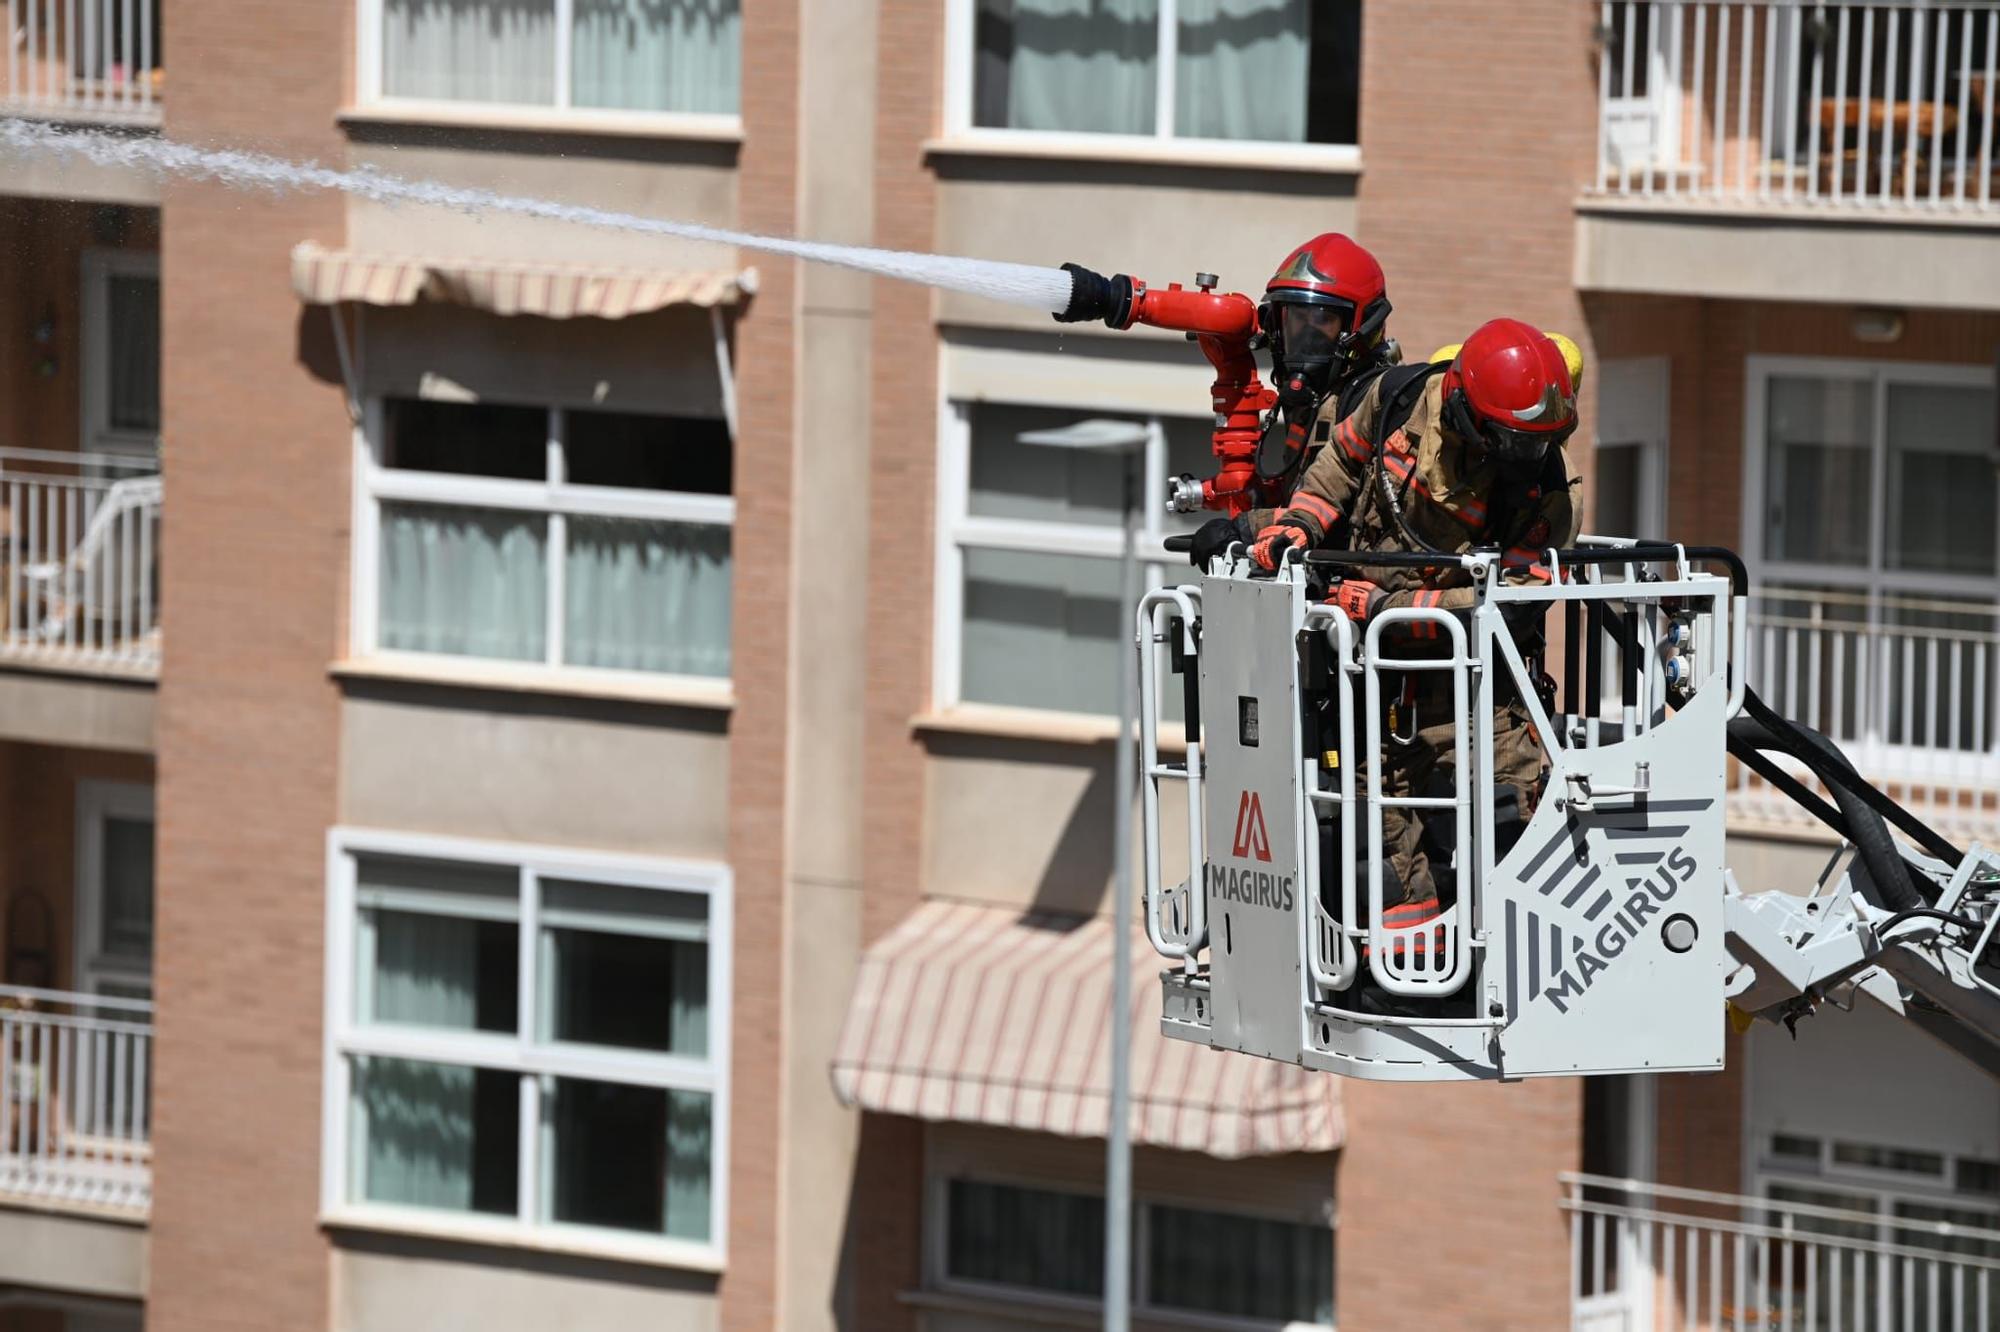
[76,1253]
[1789,256]
[85,711]
[37,177]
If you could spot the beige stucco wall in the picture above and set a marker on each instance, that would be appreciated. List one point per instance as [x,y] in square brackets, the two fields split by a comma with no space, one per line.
[1027,823]
[1162,223]
[390,1286]
[1777,256]
[661,178]
[77,1255]
[563,772]
[90,713]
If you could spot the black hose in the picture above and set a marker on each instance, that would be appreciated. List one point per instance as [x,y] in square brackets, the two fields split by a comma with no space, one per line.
[1963,922]
[1895,888]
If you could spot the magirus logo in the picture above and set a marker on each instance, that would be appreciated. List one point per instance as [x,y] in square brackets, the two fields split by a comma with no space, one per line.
[1252,841]
[1585,924]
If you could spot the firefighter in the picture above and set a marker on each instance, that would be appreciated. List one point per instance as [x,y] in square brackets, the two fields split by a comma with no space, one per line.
[1443,457]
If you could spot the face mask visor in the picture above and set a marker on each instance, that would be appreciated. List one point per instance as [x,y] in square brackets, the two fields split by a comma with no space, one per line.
[1314,335]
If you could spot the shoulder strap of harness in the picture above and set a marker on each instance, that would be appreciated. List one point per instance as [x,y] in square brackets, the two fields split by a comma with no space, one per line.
[1402,388]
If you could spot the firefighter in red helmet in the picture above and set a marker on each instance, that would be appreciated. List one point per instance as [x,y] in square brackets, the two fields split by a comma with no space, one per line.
[1324,318]
[1443,458]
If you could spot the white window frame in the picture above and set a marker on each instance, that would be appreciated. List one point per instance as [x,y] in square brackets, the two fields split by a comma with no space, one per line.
[961,57]
[1873,577]
[1884,1188]
[368,83]
[937,1240]
[97,802]
[959,529]
[554,497]
[99,266]
[521,1051]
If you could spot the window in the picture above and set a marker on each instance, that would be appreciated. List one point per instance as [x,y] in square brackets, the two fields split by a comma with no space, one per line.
[557,538]
[1049,1244]
[121,353]
[680,57]
[114,889]
[1268,71]
[1873,493]
[528,1042]
[1628,457]
[1029,590]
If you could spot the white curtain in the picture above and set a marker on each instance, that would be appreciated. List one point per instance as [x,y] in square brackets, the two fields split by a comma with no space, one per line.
[468,582]
[690,1164]
[426,970]
[470,50]
[658,55]
[647,596]
[1241,71]
[1085,65]
[418,1125]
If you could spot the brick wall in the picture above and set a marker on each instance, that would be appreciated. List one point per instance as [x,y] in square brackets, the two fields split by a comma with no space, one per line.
[767,375]
[903,467]
[254,552]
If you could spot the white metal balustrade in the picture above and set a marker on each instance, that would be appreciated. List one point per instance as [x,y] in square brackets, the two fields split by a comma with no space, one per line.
[1654,1258]
[1905,685]
[1845,106]
[79,561]
[75,1099]
[83,59]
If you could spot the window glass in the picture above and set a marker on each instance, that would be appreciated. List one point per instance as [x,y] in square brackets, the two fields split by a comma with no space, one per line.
[629,991]
[437,1135]
[1282,71]
[1941,511]
[134,316]
[1616,478]
[1037,481]
[463,581]
[1036,1238]
[466,438]
[470,50]
[1791,1147]
[1976,1176]
[647,595]
[444,971]
[1819,488]
[658,55]
[125,931]
[1870,1156]
[1041,631]
[1080,65]
[1246,1267]
[632,1158]
[636,452]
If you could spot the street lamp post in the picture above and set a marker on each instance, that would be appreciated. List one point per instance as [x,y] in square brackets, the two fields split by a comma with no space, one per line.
[1126,439]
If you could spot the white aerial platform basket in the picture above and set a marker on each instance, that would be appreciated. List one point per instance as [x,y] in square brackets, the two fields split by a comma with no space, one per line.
[1594,943]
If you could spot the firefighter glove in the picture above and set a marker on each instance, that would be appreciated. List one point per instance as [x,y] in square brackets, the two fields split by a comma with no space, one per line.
[1272,543]
[1357,599]
[1211,539]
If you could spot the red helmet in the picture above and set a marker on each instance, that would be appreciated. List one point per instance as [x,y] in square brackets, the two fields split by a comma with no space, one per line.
[1509,390]
[1325,305]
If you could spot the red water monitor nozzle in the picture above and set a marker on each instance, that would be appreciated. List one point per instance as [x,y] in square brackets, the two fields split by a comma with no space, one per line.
[1225,326]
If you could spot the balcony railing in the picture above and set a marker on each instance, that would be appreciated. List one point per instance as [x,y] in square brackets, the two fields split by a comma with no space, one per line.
[1906,685]
[75,1099]
[1850,107]
[79,561]
[1652,1258]
[83,60]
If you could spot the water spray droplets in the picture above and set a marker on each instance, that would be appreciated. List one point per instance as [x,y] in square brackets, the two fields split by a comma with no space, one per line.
[1029,285]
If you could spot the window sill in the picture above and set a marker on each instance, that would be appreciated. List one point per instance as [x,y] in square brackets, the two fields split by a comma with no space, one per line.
[678,1254]
[1070,728]
[1058,1311]
[471,673]
[1327,159]
[547,120]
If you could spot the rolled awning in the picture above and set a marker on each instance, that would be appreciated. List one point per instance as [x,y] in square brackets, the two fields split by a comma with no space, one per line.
[505,287]
[983,1015]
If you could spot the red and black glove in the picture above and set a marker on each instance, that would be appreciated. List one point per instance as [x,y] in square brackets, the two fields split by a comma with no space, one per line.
[1357,599]
[1271,544]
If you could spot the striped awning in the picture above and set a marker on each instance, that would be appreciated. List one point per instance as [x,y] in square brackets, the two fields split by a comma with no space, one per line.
[982,1015]
[506,287]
